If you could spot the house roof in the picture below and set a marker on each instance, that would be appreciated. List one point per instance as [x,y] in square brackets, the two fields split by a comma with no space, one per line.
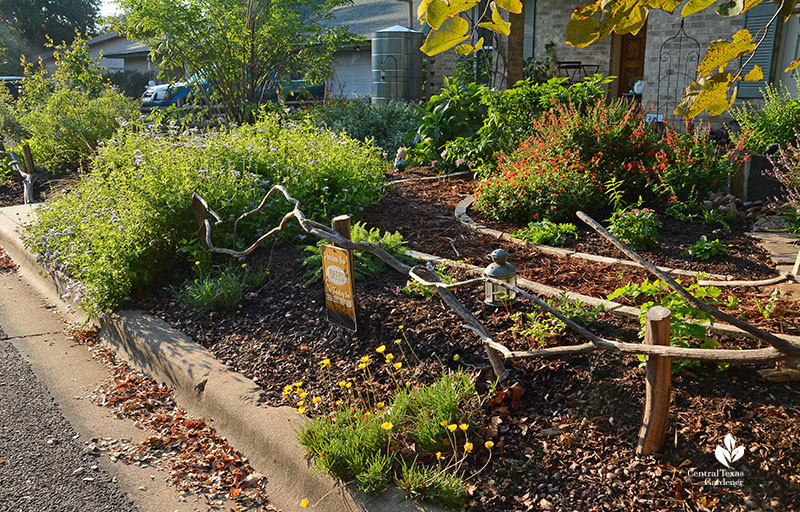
[365,17]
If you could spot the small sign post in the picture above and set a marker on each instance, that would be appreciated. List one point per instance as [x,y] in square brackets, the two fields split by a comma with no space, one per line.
[339,279]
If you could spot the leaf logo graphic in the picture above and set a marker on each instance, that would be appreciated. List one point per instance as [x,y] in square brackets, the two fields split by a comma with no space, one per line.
[730,453]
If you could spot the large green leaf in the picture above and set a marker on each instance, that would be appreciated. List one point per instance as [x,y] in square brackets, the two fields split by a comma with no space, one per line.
[436,13]
[582,32]
[664,5]
[466,49]
[633,22]
[452,32]
[693,6]
[514,6]
[498,24]
[720,53]
[754,75]
[707,94]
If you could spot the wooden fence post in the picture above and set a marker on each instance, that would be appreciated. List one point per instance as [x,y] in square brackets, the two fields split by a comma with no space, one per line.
[26,151]
[659,384]
[796,268]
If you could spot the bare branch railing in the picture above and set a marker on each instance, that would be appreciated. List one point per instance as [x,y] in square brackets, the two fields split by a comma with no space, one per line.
[780,348]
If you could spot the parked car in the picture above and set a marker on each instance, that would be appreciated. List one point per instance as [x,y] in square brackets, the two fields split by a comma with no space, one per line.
[164,95]
[177,93]
[12,84]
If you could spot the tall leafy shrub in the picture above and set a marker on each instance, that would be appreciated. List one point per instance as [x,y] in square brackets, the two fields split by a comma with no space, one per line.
[776,123]
[387,125]
[123,225]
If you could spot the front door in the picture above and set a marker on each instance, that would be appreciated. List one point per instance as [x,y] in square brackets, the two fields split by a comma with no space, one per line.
[631,60]
[789,52]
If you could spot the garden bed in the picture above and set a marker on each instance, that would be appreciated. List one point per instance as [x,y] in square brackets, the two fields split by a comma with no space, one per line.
[564,430]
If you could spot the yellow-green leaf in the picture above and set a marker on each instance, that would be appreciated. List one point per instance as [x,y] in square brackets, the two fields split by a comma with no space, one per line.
[457,6]
[754,75]
[466,49]
[731,8]
[582,32]
[720,53]
[693,6]
[452,32]
[709,94]
[436,14]
[633,22]
[664,5]
[422,10]
[498,24]
[792,66]
[514,6]
[749,4]
[689,97]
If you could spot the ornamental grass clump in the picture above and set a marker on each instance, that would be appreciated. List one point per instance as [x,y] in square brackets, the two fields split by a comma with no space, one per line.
[126,224]
[417,436]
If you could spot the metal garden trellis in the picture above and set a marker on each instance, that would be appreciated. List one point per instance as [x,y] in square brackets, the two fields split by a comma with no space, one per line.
[675,73]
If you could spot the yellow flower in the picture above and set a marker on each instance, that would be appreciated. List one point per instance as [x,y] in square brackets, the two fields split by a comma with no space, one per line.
[398,365]
[349,385]
[381,349]
[468,447]
[244,265]
[402,327]
[398,341]
[380,405]
[439,455]
[362,366]
[316,399]
[298,384]
[364,359]
[387,426]
[325,363]
[339,403]
[304,503]
[389,358]
[267,272]
[303,395]
[287,388]
[301,403]
[456,357]
[342,383]
[197,262]
[488,444]
[463,427]
[443,423]
[452,428]
[301,410]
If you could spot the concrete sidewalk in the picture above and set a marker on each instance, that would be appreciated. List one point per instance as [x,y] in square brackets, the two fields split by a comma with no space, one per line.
[206,387]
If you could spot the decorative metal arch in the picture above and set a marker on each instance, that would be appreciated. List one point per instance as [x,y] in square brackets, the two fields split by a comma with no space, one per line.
[678,59]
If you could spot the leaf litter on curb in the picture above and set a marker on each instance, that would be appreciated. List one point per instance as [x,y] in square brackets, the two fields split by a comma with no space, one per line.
[199,461]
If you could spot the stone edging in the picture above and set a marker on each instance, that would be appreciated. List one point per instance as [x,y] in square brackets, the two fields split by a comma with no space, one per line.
[266,435]
[464,218]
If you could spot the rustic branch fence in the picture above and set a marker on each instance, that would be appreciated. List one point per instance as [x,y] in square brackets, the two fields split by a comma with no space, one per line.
[656,346]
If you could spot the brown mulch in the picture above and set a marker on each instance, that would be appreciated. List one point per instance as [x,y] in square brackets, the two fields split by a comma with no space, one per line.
[6,263]
[564,430]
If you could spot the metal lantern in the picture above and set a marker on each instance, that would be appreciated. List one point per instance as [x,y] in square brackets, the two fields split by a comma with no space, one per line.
[499,269]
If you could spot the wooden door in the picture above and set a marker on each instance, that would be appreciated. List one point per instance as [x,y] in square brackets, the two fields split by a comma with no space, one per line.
[630,61]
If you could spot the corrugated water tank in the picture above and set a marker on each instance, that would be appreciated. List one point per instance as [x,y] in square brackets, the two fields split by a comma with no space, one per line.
[396,64]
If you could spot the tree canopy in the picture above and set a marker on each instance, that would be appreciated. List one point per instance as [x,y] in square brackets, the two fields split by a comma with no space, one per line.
[25,26]
[241,48]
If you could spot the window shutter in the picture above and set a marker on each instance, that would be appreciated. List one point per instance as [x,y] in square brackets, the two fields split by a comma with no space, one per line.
[755,19]
[528,12]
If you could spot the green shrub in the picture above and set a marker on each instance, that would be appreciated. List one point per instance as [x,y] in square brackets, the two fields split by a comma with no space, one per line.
[573,150]
[413,287]
[365,264]
[705,250]
[68,127]
[541,326]
[636,226]
[546,232]
[433,483]
[122,226]
[387,125]
[774,123]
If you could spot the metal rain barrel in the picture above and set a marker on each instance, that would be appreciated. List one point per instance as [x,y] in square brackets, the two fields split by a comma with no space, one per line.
[396,64]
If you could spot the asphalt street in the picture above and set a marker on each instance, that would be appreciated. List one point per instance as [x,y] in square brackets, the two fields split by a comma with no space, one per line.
[45,465]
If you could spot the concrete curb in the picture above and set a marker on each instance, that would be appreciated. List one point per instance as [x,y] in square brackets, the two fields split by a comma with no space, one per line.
[266,435]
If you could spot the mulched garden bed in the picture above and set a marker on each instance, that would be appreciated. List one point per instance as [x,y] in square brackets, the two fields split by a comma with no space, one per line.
[564,430]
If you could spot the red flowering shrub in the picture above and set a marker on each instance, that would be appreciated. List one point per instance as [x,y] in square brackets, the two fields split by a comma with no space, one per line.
[570,155]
